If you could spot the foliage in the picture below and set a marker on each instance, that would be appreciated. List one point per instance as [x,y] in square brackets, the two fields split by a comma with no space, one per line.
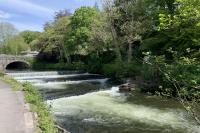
[14,46]
[46,123]
[100,37]
[180,78]
[133,21]
[10,41]
[81,23]
[7,31]
[29,36]
[16,86]
[38,65]
[120,70]
[53,39]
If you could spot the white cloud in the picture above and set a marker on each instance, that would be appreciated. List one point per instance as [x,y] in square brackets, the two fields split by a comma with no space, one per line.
[23,6]
[4,15]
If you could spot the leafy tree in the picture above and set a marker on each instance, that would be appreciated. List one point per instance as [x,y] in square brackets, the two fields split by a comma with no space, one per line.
[7,31]
[81,23]
[100,35]
[54,38]
[10,42]
[111,16]
[15,45]
[29,36]
[133,22]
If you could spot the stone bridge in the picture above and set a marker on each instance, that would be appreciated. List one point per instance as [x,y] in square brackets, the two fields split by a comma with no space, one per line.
[11,61]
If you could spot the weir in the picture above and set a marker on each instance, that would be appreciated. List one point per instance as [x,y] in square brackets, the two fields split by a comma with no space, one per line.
[84,102]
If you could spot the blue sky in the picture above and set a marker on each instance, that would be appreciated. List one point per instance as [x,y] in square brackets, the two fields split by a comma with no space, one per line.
[32,14]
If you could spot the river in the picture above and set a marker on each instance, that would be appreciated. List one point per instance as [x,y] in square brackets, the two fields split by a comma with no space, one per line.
[90,103]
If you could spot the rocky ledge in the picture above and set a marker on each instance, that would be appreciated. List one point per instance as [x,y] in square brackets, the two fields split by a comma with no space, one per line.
[126,87]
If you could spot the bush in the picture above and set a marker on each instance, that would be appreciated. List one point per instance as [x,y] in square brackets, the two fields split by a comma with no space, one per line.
[37,65]
[121,70]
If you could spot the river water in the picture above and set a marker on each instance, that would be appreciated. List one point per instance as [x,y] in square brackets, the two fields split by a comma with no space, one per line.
[90,103]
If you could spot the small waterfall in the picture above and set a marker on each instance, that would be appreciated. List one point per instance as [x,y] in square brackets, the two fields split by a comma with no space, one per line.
[71,82]
[51,76]
[46,73]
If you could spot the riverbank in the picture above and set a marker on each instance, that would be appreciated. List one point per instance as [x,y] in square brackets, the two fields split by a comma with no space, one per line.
[45,121]
[14,112]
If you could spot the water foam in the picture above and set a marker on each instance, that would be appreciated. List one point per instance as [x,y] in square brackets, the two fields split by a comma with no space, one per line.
[43,73]
[111,106]
[50,76]
[49,84]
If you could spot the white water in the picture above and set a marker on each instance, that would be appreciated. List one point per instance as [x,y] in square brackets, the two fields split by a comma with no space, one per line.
[107,106]
[38,73]
[38,78]
[110,106]
[51,76]
[71,82]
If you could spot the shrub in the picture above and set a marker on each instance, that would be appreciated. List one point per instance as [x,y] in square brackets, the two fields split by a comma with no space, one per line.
[121,70]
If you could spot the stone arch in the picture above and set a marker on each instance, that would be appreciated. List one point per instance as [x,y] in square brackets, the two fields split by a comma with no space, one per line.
[17,65]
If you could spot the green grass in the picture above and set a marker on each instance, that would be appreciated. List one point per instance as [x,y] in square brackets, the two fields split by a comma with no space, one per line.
[45,118]
[16,86]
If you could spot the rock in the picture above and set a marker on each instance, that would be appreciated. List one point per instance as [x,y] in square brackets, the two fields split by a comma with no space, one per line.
[125,88]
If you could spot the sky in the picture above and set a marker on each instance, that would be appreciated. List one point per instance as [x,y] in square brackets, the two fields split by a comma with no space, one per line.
[33,14]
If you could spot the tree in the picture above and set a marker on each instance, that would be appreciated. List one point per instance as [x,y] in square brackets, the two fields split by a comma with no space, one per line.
[54,38]
[178,56]
[7,31]
[133,22]
[29,36]
[112,15]
[100,35]
[81,23]
[15,45]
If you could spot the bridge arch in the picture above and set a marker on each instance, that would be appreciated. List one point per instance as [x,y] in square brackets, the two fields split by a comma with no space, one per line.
[17,65]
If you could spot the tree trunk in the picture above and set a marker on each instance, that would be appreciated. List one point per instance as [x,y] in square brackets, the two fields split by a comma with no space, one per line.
[116,43]
[130,56]
[111,14]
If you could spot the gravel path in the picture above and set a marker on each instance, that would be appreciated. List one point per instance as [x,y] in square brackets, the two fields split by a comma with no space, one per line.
[14,118]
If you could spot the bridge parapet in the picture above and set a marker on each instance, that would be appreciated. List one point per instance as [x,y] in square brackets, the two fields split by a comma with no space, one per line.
[7,59]
[12,57]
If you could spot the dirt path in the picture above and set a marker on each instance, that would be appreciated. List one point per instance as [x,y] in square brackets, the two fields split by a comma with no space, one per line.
[14,117]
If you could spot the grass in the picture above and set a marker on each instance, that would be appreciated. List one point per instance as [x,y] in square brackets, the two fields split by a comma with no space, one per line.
[16,86]
[45,119]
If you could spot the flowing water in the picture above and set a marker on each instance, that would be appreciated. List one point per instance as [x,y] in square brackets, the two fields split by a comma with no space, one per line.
[90,103]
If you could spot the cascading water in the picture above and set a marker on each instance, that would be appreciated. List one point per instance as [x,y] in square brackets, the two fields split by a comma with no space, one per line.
[86,103]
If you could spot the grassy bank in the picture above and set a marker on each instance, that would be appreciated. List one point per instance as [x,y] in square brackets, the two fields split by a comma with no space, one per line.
[45,119]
